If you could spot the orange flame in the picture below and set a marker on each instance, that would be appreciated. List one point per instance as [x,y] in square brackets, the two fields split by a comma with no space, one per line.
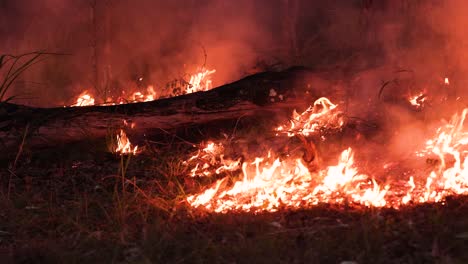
[209,159]
[271,185]
[450,146]
[417,100]
[268,184]
[123,144]
[84,99]
[323,114]
[200,81]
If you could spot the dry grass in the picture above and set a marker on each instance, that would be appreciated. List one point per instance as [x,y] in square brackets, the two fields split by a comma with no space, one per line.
[75,205]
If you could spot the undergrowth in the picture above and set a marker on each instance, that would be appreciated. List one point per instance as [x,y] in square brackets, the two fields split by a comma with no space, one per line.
[82,204]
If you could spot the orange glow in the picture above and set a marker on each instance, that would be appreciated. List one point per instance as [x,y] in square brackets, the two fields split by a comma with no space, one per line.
[449,148]
[268,184]
[84,99]
[210,159]
[200,81]
[446,81]
[149,95]
[417,100]
[323,114]
[124,147]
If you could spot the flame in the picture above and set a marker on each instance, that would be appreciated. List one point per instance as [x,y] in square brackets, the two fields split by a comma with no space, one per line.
[450,147]
[84,99]
[417,100]
[446,81]
[209,159]
[200,81]
[150,95]
[268,185]
[123,144]
[323,114]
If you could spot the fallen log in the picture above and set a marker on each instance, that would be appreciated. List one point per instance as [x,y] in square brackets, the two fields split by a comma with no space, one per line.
[268,92]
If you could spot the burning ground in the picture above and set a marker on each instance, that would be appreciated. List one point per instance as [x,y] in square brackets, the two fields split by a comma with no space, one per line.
[333,179]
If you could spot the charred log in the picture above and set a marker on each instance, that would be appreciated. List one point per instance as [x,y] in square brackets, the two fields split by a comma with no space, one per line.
[268,92]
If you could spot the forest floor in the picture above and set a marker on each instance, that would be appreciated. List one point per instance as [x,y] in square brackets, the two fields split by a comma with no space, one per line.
[73,204]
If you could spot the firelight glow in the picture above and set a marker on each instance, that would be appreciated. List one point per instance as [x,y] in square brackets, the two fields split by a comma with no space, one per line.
[323,114]
[124,147]
[199,81]
[84,99]
[269,183]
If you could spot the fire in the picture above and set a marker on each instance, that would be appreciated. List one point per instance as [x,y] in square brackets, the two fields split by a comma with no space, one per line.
[150,95]
[200,81]
[450,149]
[211,159]
[268,185]
[417,100]
[323,114]
[84,99]
[124,147]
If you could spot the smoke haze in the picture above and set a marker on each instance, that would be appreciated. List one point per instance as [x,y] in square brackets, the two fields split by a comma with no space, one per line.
[114,42]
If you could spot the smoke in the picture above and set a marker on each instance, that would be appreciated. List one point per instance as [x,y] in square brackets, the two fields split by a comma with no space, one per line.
[112,43]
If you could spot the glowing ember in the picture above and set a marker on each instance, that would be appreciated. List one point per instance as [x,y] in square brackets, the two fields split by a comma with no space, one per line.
[323,114]
[201,81]
[446,81]
[84,99]
[124,147]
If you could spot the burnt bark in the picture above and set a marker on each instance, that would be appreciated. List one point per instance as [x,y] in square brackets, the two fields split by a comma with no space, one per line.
[268,92]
